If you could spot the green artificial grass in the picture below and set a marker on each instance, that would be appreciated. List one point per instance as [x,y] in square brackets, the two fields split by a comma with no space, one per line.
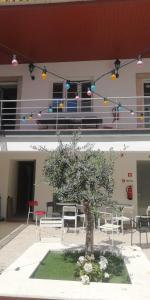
[62,266]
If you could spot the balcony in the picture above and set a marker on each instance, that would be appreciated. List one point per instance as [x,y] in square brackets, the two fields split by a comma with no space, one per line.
[89,116]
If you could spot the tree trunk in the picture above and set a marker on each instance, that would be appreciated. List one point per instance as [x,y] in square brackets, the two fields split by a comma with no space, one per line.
[89,228]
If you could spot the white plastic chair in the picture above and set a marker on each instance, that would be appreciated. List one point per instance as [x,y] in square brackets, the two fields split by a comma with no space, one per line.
[110,225]
[69,214]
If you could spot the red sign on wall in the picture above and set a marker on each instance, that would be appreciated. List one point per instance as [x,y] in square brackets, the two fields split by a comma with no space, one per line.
[129,174]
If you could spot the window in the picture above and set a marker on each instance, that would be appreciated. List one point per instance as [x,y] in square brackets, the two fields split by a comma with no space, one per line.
[57,94]
[76,89]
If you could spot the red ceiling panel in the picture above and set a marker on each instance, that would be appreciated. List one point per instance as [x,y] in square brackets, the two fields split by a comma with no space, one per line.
[93,30]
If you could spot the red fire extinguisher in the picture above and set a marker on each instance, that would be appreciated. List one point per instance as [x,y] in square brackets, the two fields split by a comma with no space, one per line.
[129,191]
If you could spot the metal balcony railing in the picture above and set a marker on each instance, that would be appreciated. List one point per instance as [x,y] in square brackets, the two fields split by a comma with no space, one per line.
[38,116]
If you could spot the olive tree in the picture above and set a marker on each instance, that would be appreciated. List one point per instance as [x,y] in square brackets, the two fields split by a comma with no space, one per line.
[81,175]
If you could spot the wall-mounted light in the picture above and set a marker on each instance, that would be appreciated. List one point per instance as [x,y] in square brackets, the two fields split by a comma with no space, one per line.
[31,69]
[117,64]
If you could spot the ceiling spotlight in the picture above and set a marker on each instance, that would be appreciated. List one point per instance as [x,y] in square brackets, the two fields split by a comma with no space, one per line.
[139,60]
[44,73]
[14,60]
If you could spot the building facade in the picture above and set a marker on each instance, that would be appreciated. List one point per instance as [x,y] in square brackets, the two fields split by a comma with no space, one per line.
[61,79]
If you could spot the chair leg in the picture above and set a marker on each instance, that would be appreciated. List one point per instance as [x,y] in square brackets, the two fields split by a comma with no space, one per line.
[140,238]
[146,238]
[28,218]
[75,224]
[131,237]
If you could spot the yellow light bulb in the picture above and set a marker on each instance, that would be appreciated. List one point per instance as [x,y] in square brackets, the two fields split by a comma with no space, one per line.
[141,117]
[43,75]
[105,101]
[61,105]
[113,76]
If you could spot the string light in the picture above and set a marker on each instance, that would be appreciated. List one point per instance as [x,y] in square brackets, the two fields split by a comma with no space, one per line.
[67,85]
[141,117]
[14,61]
[30,117]
[119,107]
[39,114]
[113,75]
[131,112]
[50,109]
[44,73]
[61,105]
[77,97]
[93,87]
[89,93]
[105,101]
[23,119]
[139,60]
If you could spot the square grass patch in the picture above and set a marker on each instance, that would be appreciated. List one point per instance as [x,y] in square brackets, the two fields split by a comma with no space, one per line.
[62,266]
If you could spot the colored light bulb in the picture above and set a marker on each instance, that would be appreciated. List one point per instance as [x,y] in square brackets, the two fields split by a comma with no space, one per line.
[14,61]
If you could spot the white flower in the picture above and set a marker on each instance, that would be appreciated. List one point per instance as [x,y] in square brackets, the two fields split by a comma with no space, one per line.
[104,259]
[88,267]
[102,265]
[81,259]
[85,279]
[106,275]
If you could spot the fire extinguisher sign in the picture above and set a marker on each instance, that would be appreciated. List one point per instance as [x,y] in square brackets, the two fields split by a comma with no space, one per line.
[129,174]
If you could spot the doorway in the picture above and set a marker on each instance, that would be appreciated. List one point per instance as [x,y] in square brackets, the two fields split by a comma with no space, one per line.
[25,191]
[8,108]
[143,186]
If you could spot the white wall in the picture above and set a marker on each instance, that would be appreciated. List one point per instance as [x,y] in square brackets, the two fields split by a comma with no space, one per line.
[125,164]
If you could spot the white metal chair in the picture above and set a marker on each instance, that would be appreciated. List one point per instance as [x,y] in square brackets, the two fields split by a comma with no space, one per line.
[109,224]
[148,211]
[81,214]
[69,214]
[31,205]
[50,223]
[49,210]
[125,217]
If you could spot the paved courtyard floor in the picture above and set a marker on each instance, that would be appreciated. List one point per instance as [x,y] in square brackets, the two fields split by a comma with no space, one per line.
[25,247]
